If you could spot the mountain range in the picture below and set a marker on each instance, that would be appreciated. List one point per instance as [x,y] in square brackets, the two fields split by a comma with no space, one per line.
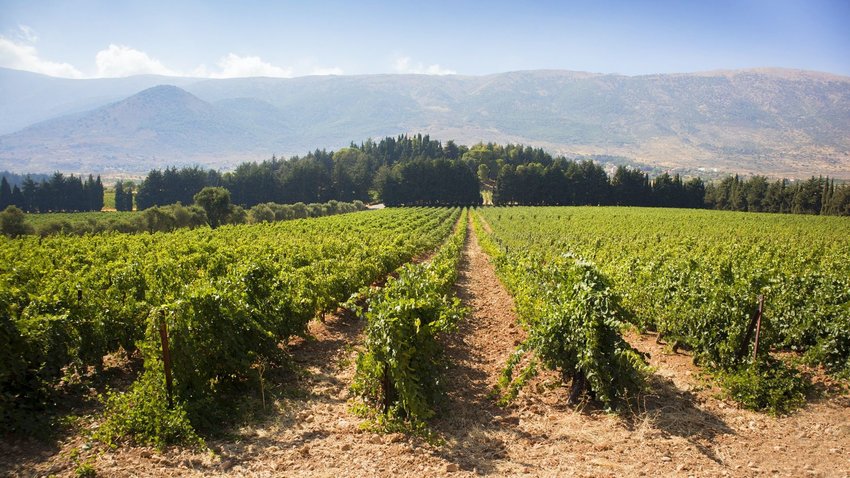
[776,122]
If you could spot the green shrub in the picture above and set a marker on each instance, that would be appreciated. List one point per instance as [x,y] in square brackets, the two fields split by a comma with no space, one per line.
[769,386]
[143,414]
[833,347]
[13,222]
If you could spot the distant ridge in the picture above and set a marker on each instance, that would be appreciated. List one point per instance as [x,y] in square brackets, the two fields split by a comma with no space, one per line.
[129,135]
[787,73]
[778,122]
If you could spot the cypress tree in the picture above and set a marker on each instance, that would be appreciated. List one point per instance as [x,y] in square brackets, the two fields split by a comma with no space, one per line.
[119,196]
[5,193]
[128,197]
[97,201]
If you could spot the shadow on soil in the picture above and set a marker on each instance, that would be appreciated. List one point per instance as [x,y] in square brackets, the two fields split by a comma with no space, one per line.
[473,420]
[340,331]
[34,436]
[674,412]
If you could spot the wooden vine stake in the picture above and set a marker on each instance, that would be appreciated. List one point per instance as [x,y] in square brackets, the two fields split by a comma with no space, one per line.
[261,368]
[390,393]
[754,327]
[386,385]
[758,327]
[166,357]
[578,387]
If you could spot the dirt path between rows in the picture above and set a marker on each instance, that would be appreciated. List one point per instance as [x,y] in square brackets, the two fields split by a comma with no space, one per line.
[478,433]
[681,428]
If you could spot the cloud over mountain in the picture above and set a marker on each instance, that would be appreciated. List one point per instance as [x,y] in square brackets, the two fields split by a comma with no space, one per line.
[119,61]
[20,53]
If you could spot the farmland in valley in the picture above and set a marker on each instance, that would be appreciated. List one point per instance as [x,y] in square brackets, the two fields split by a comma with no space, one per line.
[444,339]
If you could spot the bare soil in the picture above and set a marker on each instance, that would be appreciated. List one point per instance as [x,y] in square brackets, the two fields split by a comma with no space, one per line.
[681,427]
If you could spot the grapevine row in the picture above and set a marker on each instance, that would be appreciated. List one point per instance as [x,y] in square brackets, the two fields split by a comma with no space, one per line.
[227,297]
[695,278]
[573,319]
[401,366]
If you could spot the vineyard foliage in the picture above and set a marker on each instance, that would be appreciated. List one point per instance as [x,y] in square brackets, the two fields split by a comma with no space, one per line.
[573,318]
[695,277]
[229,297]
[400,368]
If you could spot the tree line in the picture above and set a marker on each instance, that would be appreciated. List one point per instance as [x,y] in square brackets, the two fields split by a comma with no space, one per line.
[417,170]
[577,183]
[757,194]
[59,193]
[372,171]
[398,171]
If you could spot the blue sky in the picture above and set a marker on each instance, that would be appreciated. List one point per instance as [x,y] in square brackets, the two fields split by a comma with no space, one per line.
[295,38]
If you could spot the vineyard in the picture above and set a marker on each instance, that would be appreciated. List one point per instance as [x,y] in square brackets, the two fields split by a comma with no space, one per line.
[695,278]
[227,299]
[602,297]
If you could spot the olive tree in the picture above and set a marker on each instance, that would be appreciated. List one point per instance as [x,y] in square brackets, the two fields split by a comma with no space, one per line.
[216,202]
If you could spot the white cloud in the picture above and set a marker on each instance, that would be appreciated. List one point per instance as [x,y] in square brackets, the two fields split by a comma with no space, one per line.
[27,34]
[21,54]
[18,51]
[335,70]
[120,60]
[235,66]
[405,65]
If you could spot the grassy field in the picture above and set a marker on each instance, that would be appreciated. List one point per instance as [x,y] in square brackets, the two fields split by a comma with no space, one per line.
[39,219]
[109,199]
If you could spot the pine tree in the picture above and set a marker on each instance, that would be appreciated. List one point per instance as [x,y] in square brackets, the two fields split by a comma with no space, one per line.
[29,192]
[827,197]
[5,193]
[18,198]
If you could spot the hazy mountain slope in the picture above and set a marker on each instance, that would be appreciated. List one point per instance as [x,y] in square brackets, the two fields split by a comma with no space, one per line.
[331,111]
[776,122]
[27,98]
[748,122]
[160,124]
